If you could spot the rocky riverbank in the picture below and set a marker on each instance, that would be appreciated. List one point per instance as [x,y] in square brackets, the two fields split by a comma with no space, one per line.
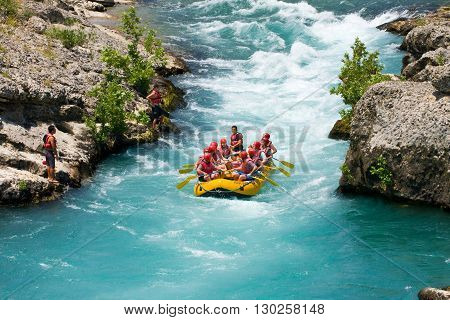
[44,82]
[400,130]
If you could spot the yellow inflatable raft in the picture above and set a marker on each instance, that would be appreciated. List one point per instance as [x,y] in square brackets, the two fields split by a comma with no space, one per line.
[225,187]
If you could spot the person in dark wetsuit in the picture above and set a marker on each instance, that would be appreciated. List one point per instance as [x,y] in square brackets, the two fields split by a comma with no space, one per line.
[236,140]
[157,112]
[51,153]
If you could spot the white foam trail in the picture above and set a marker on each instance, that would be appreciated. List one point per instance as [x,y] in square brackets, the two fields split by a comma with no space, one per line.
[208,254]
[130,231]
[45,266]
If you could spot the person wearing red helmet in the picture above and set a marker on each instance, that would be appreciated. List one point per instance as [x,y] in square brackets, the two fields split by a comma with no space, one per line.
[267,147]
[236,140]
[245,171]
[256,153]
[200,158]
[206,169]
[224,149]
[216,155]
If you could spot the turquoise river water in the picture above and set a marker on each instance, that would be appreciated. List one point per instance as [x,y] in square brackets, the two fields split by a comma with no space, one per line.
[264,66]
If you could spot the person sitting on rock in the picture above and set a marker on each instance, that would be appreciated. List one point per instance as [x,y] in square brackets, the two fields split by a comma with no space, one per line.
[157,112]
[51,153]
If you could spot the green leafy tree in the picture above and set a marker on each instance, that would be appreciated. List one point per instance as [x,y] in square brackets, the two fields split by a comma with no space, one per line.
[133,68]
[123,71]
[109,113]
[358,72]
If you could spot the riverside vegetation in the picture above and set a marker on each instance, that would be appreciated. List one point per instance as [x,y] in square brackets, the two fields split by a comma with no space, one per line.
[358,72]
[124,71]
[57,67]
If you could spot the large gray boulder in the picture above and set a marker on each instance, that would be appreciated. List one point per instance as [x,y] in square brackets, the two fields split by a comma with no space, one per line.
[408,124]
[434,294]
[427,38]
[404,25]
[423,68]
[440,78]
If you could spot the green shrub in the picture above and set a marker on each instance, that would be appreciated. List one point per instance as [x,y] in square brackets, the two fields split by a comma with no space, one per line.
[5,74]
[346,114]
[346,172]
[440,59]
[109,112]
[358,72]
[23,185]
[133,68]
[141,117]
[48,53]
[123,71]
[69,21]
[9,8]
[69,38]
[382,172]
[420,22]
[26,14]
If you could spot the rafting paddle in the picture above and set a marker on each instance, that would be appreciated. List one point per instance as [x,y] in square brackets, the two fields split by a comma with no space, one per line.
[183,183]
[285,163]
[269,180]
[185,170]
[286,173]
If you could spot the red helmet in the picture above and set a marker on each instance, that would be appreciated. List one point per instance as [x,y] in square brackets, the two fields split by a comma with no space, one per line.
[243,155]
[207,157]
[212,148]
[223,141]
[257,145]
[214,143]
[251,152]
[266,136]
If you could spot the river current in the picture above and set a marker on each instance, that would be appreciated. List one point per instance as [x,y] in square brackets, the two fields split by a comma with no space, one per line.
[263,66]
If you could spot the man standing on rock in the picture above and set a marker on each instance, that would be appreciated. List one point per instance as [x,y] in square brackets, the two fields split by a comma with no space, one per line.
[157,112]
[51,153]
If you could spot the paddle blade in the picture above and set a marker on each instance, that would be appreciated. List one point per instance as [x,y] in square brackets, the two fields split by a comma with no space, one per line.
[189,165]
[287,164]
[185,182]
[286,173]
[186,170]
[272,182]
